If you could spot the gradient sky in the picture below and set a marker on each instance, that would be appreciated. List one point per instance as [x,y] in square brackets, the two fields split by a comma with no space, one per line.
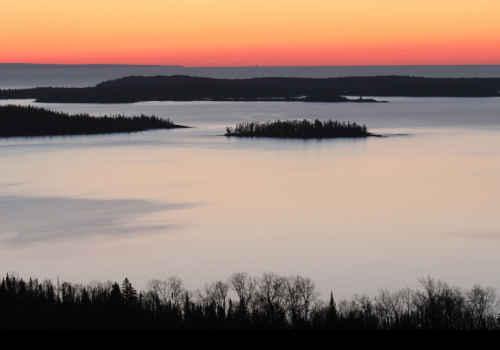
[250,32]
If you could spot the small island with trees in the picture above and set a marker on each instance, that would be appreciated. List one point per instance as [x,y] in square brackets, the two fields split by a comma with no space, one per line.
[300,129]
[20,121]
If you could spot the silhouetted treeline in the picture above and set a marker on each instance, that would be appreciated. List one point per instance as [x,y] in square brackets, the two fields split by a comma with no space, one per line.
[241,302]
[32,121]
[185,88]
[299,129]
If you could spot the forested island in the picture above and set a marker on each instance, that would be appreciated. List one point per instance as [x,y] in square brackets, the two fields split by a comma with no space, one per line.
[31,121]
[241,302]
[185,88]
[303,129]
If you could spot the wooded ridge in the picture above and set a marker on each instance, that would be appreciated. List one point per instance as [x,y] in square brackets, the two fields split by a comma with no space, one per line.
[185,88]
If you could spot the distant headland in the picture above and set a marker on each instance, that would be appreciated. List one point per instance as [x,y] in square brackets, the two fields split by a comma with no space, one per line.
[186,88]
[18,121]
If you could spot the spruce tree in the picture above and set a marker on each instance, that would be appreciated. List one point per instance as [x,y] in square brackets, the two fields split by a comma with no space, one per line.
[332,313]
[128,292]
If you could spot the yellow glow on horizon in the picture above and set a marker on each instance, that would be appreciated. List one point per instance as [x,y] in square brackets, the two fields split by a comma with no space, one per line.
[244,32]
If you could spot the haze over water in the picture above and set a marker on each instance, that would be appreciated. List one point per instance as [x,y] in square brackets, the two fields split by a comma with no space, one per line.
[82,77]
[355,215]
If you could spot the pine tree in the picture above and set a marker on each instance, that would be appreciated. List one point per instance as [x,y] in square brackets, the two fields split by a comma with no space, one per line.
[128,292]
[3,286]
[187,311]
[331,317]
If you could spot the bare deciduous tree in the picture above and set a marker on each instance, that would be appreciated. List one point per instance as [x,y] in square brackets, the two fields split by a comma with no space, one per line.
[176,290]
[159,291]
[300,295]
[482,306]
[308,293]
[245,287]
[271,290]
[162,293]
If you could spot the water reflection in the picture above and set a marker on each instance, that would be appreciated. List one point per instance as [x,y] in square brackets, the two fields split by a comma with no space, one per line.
[26,220]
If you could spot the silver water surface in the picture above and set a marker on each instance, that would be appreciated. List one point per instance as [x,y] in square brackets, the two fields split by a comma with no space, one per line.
[356,215]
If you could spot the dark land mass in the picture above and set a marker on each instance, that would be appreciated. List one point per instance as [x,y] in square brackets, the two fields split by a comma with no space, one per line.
[30,121]
[185,88]
[300,129]
[269,302]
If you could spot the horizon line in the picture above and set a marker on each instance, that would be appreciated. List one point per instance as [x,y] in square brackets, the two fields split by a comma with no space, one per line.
[124,65]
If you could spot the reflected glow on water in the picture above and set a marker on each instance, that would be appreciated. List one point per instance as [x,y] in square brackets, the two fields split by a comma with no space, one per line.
[354,215]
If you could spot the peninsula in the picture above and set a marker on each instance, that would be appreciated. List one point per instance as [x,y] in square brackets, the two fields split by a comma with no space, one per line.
[185,88]
[18,121]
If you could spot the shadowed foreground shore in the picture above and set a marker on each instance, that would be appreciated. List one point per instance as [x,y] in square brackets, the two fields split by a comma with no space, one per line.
[19,121]
[241,302]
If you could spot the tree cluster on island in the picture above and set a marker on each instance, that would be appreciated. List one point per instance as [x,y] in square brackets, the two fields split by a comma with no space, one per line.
[299,129]
[241,302]
[186,88]
[20,121]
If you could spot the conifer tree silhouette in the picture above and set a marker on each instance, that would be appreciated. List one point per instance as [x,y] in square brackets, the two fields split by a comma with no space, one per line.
[129,294]
[331,313]
[115,297]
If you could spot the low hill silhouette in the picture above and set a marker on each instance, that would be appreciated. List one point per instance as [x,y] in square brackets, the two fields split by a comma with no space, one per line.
[185,88]
[32,121]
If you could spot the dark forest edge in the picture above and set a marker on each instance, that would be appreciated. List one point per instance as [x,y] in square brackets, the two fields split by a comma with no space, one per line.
[241,302]
[303,129]
[186,88]
[21,121]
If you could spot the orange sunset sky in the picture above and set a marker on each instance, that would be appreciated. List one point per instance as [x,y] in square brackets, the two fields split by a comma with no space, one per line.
[250,32]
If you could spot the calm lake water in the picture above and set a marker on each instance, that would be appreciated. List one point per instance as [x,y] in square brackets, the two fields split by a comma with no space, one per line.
[80,77]
[354,215]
